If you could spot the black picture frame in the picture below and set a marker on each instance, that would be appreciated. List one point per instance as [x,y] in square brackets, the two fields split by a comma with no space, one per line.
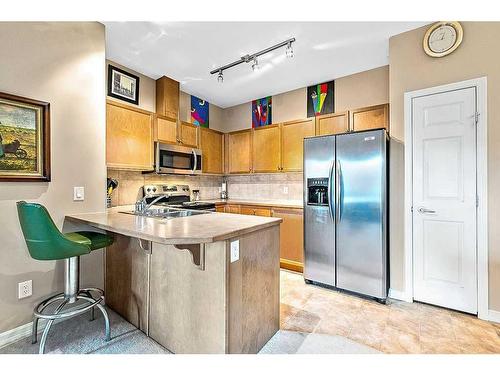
[112,90]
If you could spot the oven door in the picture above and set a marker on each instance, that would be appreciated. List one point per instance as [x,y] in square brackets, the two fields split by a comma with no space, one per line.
[177,159]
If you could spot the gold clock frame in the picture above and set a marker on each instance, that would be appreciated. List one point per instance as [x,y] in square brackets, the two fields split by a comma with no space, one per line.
[459,31]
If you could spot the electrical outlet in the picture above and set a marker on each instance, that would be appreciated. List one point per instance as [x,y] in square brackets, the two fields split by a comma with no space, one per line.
[285,189]
[78,193]
[25,289]
[235,250]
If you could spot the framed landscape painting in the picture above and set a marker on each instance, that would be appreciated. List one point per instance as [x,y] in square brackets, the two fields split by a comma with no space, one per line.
[24,139]
[123,85]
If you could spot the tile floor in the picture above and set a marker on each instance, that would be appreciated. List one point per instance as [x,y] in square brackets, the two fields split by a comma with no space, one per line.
[397,327]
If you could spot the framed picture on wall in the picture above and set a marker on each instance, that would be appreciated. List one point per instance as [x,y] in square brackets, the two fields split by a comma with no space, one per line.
[24,139]
[199,112]
[262,112]
[320,99]
[123,85]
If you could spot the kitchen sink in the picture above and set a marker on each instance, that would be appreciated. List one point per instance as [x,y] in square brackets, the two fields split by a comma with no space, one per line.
[166,213]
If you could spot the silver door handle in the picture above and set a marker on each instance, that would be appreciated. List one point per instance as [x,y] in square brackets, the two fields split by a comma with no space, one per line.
[330,175]
[424,210]
[195,161]
[338,173]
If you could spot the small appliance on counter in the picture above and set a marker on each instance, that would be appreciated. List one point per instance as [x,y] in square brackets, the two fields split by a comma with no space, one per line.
[111,185]
[176,196]
[223,191]
[196,195]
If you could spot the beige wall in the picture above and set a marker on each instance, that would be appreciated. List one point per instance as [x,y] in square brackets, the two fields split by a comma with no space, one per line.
[61,63]
[147,89]
[354,91]
[412,69]
[362,89]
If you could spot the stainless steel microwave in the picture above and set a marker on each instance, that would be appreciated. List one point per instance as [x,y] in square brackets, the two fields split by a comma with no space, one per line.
[177,159]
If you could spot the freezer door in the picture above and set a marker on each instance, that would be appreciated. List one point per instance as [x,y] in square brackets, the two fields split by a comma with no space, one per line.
[319,228]
[362,213]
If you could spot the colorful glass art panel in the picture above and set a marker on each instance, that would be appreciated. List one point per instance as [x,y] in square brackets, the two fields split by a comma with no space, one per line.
[262,112]
[199,112]
[320,99]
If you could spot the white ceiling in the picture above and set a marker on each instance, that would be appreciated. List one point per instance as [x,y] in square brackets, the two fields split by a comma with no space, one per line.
[188,51]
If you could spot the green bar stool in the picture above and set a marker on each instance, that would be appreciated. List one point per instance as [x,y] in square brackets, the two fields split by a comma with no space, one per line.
[46,242]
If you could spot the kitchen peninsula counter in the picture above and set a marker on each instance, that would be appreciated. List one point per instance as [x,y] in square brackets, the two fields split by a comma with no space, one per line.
[200,284]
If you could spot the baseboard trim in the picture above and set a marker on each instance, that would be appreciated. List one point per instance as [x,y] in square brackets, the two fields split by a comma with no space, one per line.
[399,295]
[21,332]
[494,316]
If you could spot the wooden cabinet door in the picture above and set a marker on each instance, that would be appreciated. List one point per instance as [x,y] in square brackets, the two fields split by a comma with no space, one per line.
[266,149]
[232,209]
[239,146]
[220,208]
[166,129]
[374,117]
[292,136]
[167,97]
[333,123]
[188,134]
[255,210]
[211,142]
[291,238]
[129,137]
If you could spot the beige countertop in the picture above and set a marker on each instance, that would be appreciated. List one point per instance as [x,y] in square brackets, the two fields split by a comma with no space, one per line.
[286,203]
[206,228]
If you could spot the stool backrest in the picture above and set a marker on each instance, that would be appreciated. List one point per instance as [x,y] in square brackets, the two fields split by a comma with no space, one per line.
[44,240]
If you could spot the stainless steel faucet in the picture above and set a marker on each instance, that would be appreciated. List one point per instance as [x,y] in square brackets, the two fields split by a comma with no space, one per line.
[141,206]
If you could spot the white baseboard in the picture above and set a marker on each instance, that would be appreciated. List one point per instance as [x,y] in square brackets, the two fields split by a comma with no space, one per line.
[494,316]
[21,332]
[399,295]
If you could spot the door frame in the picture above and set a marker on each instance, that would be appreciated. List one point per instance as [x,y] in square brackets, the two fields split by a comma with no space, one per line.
[480,84]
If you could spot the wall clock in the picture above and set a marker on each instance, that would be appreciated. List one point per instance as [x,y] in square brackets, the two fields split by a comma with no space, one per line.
[443,38]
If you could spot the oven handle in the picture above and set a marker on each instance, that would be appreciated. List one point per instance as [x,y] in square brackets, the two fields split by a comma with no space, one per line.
[195,161]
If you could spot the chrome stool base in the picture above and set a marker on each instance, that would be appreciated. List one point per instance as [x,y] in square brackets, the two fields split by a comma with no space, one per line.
[71,295]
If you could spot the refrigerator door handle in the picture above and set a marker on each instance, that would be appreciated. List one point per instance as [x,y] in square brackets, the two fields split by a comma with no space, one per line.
[330,200]
[338,187]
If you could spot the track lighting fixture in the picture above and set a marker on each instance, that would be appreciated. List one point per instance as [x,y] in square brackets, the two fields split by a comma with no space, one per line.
[253,58]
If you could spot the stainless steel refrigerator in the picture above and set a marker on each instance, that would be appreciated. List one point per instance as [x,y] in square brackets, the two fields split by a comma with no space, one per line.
[345,212]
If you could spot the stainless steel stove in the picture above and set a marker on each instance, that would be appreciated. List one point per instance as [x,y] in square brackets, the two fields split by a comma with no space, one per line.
[176,196]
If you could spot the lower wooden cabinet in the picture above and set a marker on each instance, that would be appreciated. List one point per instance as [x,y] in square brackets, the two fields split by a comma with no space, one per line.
[291,238]
[220,208]
[129,137]
[373,117]
[255,210]
[232,209]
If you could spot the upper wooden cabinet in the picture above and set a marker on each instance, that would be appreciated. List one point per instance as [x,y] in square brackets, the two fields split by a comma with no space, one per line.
[239,145]
[167,97]
[211,142]
[333,123]
[188,134]
[165,129]
[373,117]
[266,149]
[292,149]
[129,137]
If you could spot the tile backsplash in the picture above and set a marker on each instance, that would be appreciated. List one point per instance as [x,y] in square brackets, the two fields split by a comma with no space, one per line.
[287,186]
[282,186]
[130,185]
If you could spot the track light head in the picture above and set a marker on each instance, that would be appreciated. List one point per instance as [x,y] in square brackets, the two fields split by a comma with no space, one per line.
[220,77]
[289,50]
[255,65]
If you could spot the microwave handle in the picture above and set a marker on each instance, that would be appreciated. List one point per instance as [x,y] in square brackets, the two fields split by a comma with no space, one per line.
[195,161]
[157,158]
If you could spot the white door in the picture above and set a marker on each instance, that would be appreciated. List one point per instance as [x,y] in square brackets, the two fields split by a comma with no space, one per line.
[444,199]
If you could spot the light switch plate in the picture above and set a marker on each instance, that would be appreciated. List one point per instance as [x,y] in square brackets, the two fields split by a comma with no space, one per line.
[78,193]
[25,289]
[235,250]
[285,189]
